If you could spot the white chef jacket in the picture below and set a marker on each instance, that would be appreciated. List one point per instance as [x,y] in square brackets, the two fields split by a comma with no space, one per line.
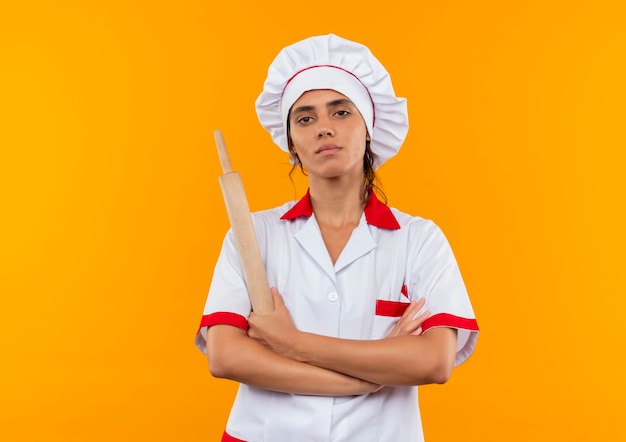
[390,259]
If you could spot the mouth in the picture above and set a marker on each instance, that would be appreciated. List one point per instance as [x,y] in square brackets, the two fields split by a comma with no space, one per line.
[328,148]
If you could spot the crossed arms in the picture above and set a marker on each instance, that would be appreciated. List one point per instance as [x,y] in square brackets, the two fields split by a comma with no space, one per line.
[276,356]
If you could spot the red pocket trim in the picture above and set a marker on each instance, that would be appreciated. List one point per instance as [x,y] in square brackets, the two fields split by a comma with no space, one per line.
[390,308]
[405,291]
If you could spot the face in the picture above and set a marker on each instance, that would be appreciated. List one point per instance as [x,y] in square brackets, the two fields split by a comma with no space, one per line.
[328,134]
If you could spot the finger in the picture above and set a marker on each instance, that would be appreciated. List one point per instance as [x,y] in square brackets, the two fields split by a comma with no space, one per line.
[278,300]
[422,316]
[410,311]
[421,302]
[419,305]
[276,296]
[414,308]
[404,324]
[252,333]
[411,325]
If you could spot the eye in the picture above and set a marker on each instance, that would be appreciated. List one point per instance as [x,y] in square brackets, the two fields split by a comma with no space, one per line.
[304,120]
[342,113]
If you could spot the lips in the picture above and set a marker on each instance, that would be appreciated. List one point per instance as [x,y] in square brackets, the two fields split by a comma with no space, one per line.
[329,148]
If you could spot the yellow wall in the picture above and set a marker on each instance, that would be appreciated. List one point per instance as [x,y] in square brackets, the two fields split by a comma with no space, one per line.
[112,218]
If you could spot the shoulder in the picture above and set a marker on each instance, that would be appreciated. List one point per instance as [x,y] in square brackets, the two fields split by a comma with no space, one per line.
[420,233]
[271,217]
[413,224]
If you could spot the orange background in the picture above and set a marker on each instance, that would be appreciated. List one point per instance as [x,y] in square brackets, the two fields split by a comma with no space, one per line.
[112,217]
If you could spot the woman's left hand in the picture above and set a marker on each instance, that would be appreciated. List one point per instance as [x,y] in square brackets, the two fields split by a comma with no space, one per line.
[411,322]
[274,330]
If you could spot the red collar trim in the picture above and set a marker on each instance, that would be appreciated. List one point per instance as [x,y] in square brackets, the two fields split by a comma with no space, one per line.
[376,212]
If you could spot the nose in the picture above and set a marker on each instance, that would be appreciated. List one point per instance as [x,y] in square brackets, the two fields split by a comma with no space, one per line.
[324,130]
[324,127]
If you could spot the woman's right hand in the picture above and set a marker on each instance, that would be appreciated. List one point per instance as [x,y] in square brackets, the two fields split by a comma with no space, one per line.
[409,323]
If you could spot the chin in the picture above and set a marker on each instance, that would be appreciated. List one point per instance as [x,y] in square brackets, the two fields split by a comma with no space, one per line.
[336,169]
[329,173]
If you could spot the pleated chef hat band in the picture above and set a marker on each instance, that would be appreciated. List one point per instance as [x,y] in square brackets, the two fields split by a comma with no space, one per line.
[320,77]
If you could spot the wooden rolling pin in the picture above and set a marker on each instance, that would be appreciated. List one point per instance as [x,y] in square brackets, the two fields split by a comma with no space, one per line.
[244,233]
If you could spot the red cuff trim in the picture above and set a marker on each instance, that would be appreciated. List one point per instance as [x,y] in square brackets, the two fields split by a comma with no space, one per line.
[447,320]
[224,318]
[390,308]
[228,438]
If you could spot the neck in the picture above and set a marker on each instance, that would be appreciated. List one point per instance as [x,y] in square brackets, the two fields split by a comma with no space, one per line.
[336,202]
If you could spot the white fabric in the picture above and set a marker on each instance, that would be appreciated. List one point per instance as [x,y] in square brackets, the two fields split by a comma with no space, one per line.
[320,77]
[390,119]
[340,300]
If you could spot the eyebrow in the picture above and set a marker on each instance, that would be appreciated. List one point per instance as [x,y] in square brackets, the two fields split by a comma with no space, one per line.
[328,105]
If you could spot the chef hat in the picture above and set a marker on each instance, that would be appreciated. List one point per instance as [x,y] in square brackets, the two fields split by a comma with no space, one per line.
[332,62]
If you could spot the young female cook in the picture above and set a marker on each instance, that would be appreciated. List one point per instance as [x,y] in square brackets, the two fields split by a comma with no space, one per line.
[369,301]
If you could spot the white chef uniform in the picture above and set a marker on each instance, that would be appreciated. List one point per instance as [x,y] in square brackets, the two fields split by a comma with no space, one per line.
[390,259]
